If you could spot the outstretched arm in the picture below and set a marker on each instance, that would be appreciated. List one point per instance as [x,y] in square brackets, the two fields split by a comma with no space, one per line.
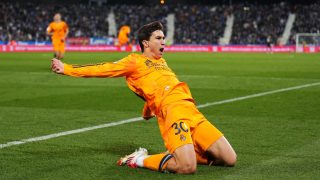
[116,69]
[66,34]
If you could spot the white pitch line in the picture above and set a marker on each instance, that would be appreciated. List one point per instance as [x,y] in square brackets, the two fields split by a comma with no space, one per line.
[50,136]
[258,95]
[55,135]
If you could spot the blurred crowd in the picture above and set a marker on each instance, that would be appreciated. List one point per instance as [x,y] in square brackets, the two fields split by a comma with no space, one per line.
[199,24]
[136,16]
[28,21]
[254,23]
[307,20]
[194,24]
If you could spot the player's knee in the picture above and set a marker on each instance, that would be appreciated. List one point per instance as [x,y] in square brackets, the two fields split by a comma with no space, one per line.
[231,160]
[189,168]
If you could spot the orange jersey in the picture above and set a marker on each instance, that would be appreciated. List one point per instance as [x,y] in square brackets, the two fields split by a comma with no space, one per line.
[59,29]
[150,79]
[123,35]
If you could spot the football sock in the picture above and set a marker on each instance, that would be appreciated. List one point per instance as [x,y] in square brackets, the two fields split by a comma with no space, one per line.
[140,160]
[157,162]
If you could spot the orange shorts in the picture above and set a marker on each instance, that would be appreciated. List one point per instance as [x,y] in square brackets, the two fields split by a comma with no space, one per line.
[184,124]
[58,45]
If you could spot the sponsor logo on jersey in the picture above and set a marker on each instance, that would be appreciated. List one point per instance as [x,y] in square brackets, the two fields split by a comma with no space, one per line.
[157,66]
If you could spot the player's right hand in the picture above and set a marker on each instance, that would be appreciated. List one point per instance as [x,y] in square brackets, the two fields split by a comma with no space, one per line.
[57,66]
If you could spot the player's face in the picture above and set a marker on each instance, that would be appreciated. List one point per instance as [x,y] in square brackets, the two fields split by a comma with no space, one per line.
[157,43]
[57,17]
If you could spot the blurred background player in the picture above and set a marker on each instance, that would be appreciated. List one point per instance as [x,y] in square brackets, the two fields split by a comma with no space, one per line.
[269,44]
[123,36]
[58,30]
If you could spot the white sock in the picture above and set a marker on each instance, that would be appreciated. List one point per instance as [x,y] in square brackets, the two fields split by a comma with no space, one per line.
[140,160]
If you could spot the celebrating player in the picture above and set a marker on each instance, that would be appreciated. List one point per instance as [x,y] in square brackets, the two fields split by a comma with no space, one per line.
[58,30]
[188,136]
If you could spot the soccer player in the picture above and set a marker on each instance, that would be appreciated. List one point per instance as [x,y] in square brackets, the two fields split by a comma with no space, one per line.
[269,43]
[123,37]
[58,30]
[190,139]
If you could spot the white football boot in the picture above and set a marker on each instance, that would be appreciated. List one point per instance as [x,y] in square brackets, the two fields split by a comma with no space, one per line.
[131,159]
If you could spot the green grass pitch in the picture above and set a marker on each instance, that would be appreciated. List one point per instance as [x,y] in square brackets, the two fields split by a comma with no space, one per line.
[276,136]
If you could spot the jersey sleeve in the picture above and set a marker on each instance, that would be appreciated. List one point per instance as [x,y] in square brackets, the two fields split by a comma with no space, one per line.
[123,67]
[49,28]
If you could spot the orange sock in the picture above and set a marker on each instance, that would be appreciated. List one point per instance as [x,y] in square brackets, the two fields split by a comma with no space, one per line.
[157,162]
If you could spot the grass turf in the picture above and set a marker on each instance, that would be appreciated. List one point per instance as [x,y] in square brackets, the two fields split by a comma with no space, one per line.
[275,136]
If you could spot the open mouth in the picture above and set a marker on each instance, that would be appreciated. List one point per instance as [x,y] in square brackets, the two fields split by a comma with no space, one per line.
[161,49]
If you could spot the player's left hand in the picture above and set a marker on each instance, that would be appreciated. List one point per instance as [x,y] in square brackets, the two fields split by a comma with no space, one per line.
[148,117]
[57,66]
[146,113]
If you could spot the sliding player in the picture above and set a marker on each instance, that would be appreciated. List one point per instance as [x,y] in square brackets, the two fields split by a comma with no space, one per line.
[58,30]
[188,136]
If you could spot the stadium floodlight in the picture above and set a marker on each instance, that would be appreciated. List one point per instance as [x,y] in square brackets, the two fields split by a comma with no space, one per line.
[310,40]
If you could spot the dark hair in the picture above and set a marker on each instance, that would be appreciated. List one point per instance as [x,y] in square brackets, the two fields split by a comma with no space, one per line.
[145,32]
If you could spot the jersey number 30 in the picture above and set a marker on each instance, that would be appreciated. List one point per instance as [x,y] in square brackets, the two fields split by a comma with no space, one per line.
[179,127]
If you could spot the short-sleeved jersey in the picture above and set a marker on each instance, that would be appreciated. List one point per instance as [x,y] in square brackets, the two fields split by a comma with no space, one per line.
[59,29]
[151,79]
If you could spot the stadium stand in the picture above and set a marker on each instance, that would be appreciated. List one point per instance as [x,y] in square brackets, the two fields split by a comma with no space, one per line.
[28,21]
[190,20]
[194,24]
[255,22]
[137,15]
[307,20]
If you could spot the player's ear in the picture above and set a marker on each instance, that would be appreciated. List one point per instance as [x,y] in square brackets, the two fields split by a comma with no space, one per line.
[145,43]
